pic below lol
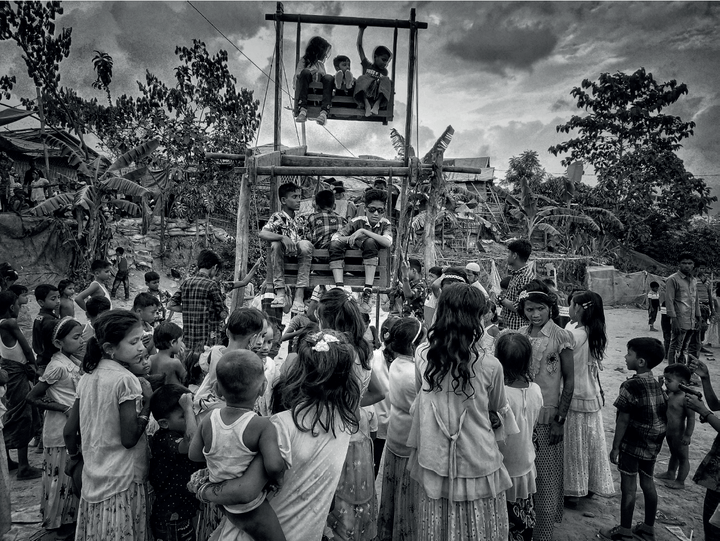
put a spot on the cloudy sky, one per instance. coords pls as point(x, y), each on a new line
point(500, 73)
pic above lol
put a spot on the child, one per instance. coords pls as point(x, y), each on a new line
point(399, 490)
point(121, 277)
point(174, 507)
point(94, 307)
point(323, 224)
point(587, 466)
point(18, 362)
point(66, 288)
point(653, 298)
point(112, 412)
point(431, 299)
point(368, 233)
point(381, 361)
point(168, 340)
point(284, 231)
point(373, 89)
point(230, 437)
point(344, 80)
point(37, 187)
point(639, 433)
point(293, 330)
point(146, 306)
point(262, 350)
point(97, 288)
point(48, 298)
point(680, 426)
point(311, 67)
point(504, 284)
point(152, 281)
point(25, 322)
point(525, 398)
point(58, 384)
point(18, 202)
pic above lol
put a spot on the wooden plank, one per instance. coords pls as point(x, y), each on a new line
point(345, 21)
point(322, 161)
point(335, 171)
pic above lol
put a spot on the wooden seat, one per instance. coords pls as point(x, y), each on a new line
point(353, 264)
point(344, 107)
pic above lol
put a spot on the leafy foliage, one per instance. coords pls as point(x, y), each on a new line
point(103, 65)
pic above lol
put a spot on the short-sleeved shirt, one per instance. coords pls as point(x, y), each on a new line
point(321, 226)
point(642, 397)
point(62, 375)
point(281, 223)
point(681, 300)
point(43, 328)
point(170, 471)
point(203, 304)
point(414, 305)
point(37, 192)
point(518, 280)
point(383, 228)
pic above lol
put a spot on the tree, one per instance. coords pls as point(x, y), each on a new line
point(103, 65)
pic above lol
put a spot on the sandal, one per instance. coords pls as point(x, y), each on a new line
point(278, 301)
point(298, 307)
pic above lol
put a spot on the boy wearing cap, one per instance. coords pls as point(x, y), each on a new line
point(472, 271)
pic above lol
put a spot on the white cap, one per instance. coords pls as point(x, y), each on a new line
point(473, 267)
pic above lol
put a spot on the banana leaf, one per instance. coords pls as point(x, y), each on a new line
point(124, 186)
point(398, 143)
point(440, 145)
point(49, 206)
point(73, 155)
point(126, 206)
point(134, 155)
point(85, 198)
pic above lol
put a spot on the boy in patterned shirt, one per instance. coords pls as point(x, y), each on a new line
point(324, 223)
point(152, 281)
point(640, 429)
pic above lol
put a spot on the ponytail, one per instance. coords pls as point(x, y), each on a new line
point(93, 355)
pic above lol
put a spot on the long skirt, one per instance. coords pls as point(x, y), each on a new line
point(521, 516)
point(397, 520)
point(57, 505)
point(443, 520)
point(122, 517)
point(5, 520)
point(21, 419)
point(549, 498)
point(587, 464)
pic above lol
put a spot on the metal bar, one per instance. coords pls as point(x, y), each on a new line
point(345, 21)
point(277, 138)
point(392, 75)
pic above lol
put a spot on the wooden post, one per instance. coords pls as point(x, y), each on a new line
point(433, 207)
point(242, 232)
point(411, 85)
point(402, 228)
point(277, 139)
point(41, 114)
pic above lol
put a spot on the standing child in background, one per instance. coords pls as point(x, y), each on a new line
point(94, 307)
point(639, 432)
point(37, 188)
point(653, 298)
point(97, 288)
point(230, 438)
point(58, 383)
point(587, 466)
point(270, 368)
point(293, 330)
point(431, 299)
point(311, 68)
point(152, 281)
point(680, 426)
point(48, 298)
point(122, 275)
point(24, 321)
point(373, 89)
point(525, 398)
point(66, 288)
point(168, 340)
point(174, 508)
point(145, 306)
point(344, 79)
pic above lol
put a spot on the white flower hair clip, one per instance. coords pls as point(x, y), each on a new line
point(323, 342)
point(523, 295)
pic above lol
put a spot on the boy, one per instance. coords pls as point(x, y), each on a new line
point(235, 427)
point(152, 281)
point(48, 297)
point(344, 80)
point(97, 288)
point(430, 299)
point(94, 307)
point(245, 327)
point(639, 433)
point(285, 234)
point(323, 224)
point(146, 306)
point(368, 233)
point(408, 297)
point(653, 298)
point(37, 188)
point(262, 350)
point(174, 507)
point(122, 274)
point(680, 426)
point(24, 321)
point(168, 341)
point(66, 288)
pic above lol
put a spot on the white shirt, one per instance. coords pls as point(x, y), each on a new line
point(382, 377)
point(477, 285)
point(62, 375)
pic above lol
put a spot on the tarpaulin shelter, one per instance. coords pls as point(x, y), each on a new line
point(617, 287)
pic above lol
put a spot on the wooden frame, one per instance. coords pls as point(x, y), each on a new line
point(320, 273)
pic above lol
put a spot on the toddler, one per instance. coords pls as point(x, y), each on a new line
point(169, 343)
point(145, 306)
point(344, 80)
point(653, 297)
point(152, 281)
point(66, 288)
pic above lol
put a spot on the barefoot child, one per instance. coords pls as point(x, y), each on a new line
point(230, 437)
point(168, 341)
point(98, 287)
point(639, 431)
point(67, 295)
point(680, 426)
point(121, 277)
point(58, 384)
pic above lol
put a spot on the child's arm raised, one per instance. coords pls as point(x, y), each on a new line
point(84, 294)
point(132, 425)
point(621, 425)
point(186, 403)
point(361, 52)
point(701, 369)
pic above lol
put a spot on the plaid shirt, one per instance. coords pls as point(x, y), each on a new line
point(518, 280)
point(642, 397)
point(321, 226)
point(281, 223)
point(382, 228)
point(414, 305)
point(203, 311)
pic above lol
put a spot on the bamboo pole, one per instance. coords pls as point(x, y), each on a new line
point(433, 207)
point(277, 138)
point(41, 114)
point(411, 85)
point(346, 21)
point(224, 156)
point(242, 233)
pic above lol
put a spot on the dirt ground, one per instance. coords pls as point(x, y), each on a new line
point(676, 508)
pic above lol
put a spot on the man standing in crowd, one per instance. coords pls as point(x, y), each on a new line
point(472, 271)
point(707, 309)
point(683, 309)
point(521, 273)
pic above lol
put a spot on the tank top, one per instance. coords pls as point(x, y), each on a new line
point(14, 353)
point(105, 292)
point(228, 457)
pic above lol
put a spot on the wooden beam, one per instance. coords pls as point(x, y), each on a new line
point(333, 171)
point(318, 161)
point(410, 87)
point(434, 203)
point(242, 233)
point(277, 137)
point(345, 21)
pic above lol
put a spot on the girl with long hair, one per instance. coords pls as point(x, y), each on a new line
point(454, 452)
point(311, 68)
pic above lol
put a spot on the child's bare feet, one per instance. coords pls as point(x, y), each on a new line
point(675, 485)
point(667, 475)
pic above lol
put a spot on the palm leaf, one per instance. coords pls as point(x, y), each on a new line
point(73, 154)
point(575, 219)
point(126, 206)
point(124, 186)
point(546, 228)
point(134, 155)
point(440, 145)
point(50, 206)
point(398, 143)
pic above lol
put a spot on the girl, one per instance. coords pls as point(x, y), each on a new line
point(454, 454)
point(373, 89)
point(396, 520)
point(515, 354)
point(58, 384)
point(311, 67)
point(111, 412)
point(262, 349)
point(551, 369)
point(316, 402)
point(587, 466)
point(355, 511)
point(381, 370)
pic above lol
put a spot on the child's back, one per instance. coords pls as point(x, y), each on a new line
point(173, 369)
point(67, 307)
